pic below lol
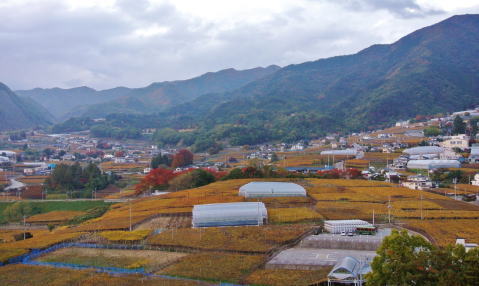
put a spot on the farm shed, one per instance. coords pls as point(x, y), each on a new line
point(271, 189)
point(433, 164)
point(424, 150)
point(229, 214)
point(345, 152)
point(350, 225)
point(348, 271)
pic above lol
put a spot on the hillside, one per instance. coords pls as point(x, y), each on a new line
point(432, 70)
point(19, 113)
point(61, 102)
point(66, 103)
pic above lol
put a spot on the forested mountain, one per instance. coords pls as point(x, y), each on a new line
point(65, 103)
point(19, 113)
point(432, 70)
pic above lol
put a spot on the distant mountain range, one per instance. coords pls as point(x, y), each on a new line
point(432, 70)
point(19, 113)
point(85, 101)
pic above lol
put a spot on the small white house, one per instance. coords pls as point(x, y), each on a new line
point(467, 246)
point(418, 182)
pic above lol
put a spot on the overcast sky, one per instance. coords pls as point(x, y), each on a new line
point(108, 43)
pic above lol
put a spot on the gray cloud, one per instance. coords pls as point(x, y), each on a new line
point(134, 43)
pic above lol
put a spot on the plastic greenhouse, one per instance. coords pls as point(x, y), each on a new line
point(433, 164)
point(345, 152)
point(271, 189)
point(423, 150)
point(229, 214)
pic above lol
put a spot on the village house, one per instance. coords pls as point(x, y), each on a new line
point(460, 141)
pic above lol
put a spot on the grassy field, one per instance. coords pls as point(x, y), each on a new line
point(215, 266)
point(45, 207)
point(285, 277)
point(21, 275)
point(151, 260)
point(242, 238)
point(53, 217)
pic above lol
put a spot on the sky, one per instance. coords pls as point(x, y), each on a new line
point(109, 43)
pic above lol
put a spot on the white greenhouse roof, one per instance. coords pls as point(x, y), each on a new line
point(271, 189)
point(424, 150)
point(229, 214)
point(345, 152)
point(433, 164)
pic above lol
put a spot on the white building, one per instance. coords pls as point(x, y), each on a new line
point(460, 141)
point(467, 246)
point(433, 164)
point(418, 182)
point(350, 225)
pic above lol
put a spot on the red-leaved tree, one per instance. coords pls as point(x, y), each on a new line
point(183, 158)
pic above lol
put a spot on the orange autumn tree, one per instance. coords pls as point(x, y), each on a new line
point(183, 158)
point(156, 178)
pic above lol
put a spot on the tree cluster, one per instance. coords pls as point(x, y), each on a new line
point(411, 260)
point(77, 180)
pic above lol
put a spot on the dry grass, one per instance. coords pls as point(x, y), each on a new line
point(54, 217)
point(21, 275)
point(285, 277)
point(151, 260)
point(41, 240)
point(290, 215)
point(125, 236)
point(447, 230)
point(242, 238)
point(215, 266)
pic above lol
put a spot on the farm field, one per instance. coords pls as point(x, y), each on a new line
point(125, 236)
point(49, 206)
point(21, 275)
point(242, 238)
point(53, 217)
point(151, 260)
point(215, 266)
point(293, 215)
point(445, 231)
point(286, 277)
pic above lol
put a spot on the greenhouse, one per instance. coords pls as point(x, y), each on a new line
point(349, 270)
point(271, 189)
point(433, 164)
point(423, 150)
point(229, 214)
point(345, 152)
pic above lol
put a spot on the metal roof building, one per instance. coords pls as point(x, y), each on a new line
point(349, 225)
point(349, 271)
point(271, 189)
point(433, 164)
point(229, 214)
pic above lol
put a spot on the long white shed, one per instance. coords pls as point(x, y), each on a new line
point(271, 189)
point(229, 214)
point(350, 225)
point(433, 164)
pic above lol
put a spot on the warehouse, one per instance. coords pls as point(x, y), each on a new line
point(271, 189)
point(433, 164)
point(229, 214)
point(338, 226)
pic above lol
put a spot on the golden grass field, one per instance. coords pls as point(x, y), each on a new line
point(151, 260)
point(292, 215)
point(125, 236)
point(286, 277)
point(54, 217)
point(242, 238)
point(32, 180)
point(21, 275)
point(215, 266)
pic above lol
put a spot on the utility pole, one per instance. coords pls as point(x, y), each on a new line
point(455, 188)
point(389, 210)
point(373, 216)
point(130, 213)
point(24, 227)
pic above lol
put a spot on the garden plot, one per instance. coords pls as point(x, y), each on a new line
point(150, 260)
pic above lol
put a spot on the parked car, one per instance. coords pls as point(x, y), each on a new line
point(350, 233)
point(343, 233)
